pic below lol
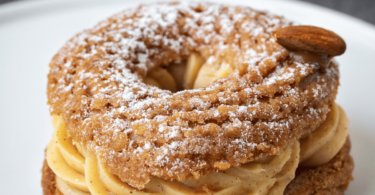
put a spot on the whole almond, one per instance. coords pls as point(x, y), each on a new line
point(311, 39)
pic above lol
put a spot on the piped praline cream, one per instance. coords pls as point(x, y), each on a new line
point(253, 97)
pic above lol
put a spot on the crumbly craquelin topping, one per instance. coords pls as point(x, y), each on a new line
point(140, 131)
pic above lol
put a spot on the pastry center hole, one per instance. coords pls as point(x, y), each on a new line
point(192, 73)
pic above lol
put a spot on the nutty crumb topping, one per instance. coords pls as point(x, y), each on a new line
point(140, 131)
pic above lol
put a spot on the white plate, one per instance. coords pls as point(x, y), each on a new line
point(32, 32)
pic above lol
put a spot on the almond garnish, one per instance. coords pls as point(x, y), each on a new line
point(311, 39)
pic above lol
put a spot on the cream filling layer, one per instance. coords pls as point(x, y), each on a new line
point(329, 149)
point(312, 142)
point(269, 175)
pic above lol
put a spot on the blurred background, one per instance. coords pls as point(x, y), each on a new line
point(363, 9)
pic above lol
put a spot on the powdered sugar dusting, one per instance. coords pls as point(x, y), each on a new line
point(96, 84)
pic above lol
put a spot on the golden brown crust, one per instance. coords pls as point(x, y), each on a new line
point(332, 178)
point(48, 180)
point(139, 131)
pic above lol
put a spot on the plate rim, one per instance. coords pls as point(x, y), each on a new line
point(11, 9)
point(27, 8)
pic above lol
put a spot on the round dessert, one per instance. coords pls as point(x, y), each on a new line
point(197, 98)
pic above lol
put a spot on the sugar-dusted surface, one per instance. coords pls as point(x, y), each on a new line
point(140, 131)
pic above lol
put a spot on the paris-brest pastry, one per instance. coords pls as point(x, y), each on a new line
point(197, 98)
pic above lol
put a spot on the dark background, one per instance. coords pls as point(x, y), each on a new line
point(363, 9)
